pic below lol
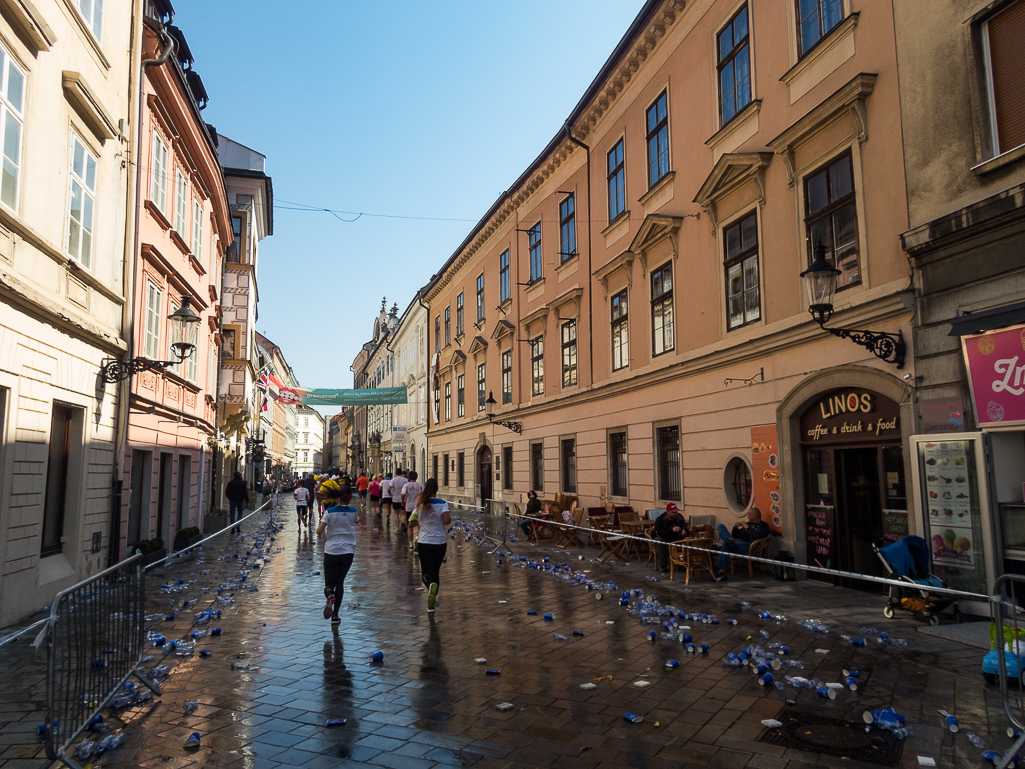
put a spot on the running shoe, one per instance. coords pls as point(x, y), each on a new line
point(432, 596)
point(411, 547)
point(335, 619)
point(329, 607)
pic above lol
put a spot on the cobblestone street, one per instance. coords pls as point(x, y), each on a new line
point(428, 703)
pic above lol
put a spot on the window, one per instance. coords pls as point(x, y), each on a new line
point(460, 395)
point(197, 229)
point(459, 314)
point(568, 450)
point(306, 421)
point(740, 240)
point(158, 188)
point(437, 334)
point(192, 365)
point(736, 483)
point(831, 219)
point(657, 120)
point(567, 229)
point(176, 367)
point(667, 448)
point(534, 242)
point(92, 12)
point(620, 337)
point(448, 326)
point(12, 97)
point(306, 456)
point(434, 466)
point(507, 466)
point(151, 345)
point(569, 353)
point(815, 19)
point(537, 366)
point(503, 276)
point(617, 465)
point(482, 391)
point(444, 459)
point(437, 406)
point(617, 182)
point(448, 401)
point(211, 369)
point(181, 196)
point(507, 376)
point(82, 201)
point(228, 343)
point(734, 55)
point(662, 309)
point(480, 297)
point(57, 467)
point(235, 249)
point(537, 467)
point(1003, 35)
point(460, 469)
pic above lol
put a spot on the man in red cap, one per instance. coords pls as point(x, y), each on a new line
point(669, 527)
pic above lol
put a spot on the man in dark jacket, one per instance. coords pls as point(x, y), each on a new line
point(237, 492)
point(669, 527)
point(739, 540)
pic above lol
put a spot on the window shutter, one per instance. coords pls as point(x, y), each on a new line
point(1006, 33)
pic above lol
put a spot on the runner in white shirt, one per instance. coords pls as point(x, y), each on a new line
point(410, 494)
point(430, 518)
point(302, 503)
point(386, 498)
point(338, 529)
point(397, 484)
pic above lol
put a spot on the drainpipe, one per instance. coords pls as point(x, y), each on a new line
point(427, 380)
point(590, 313)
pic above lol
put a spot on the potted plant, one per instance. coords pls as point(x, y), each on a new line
point(186, 537)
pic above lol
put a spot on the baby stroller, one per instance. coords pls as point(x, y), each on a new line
point(907, 560)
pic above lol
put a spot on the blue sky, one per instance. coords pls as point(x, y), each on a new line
point(427, 110)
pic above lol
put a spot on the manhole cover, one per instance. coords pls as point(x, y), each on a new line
point(834, 737)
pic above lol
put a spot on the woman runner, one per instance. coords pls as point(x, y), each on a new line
point(430, 518)
point(338, 529)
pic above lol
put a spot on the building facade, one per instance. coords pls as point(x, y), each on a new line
point(70, 105)
point(410, 364)
point(964, 142)
point(377, 370)
point(183, 224)
point(309, 447)
point(634, 301)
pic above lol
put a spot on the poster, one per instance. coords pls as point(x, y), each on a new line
point(765, 483)
point(996, 373)
point(948, 497)
point(819, 524)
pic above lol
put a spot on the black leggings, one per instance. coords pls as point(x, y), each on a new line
point(336, 567)
point(431, 557)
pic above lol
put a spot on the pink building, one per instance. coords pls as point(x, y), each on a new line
point(184, 226)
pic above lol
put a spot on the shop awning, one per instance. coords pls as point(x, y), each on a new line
point(988, 320)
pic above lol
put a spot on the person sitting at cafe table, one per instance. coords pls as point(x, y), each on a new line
point(533, 511)
point(740, 539)
point(669, 527)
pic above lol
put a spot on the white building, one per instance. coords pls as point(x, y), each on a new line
point(309, 446)
point(409, 346)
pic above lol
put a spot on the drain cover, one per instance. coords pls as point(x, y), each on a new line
point(834, 737)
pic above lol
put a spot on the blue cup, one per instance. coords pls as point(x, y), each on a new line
point(549, 616)
point(652, 635)
point(703, 647)
point(784, 650)
point(672, 664)
point(761, 670)
point(691, 648)
point(531, 611)
point(826, 693)
point(766, 679)
point(952, 724)
point(687, 638)
point(852, 684)
point(377, 656)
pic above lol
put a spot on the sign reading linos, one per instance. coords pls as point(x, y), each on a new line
point(846, 416)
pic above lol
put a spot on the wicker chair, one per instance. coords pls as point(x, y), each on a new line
point(759, 549)
point(697, 555)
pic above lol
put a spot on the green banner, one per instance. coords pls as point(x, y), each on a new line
point(383, 396)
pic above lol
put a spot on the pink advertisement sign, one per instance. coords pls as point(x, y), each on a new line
point(996, 372)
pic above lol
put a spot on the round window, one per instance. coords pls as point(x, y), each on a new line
point(736, 483)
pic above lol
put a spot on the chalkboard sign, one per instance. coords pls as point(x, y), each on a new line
point(820, 530)
point(895, 524)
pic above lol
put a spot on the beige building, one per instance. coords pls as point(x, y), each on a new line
point(410, 362)
point(634, 300)
point(70, 106)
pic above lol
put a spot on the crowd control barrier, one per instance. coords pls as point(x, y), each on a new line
point(496, 522)
point(1009, 626)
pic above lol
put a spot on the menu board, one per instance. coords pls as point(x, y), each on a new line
point(895, 524)
point(949, 500)
point(765, 466)
point(820, 528)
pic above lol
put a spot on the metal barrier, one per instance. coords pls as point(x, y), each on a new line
point(496, 522)
point(1008, 599)
point(94, 644)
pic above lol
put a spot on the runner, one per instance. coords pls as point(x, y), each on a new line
point(386, 497)
point(397, 484)
point(361, 485)
point(410, 494)
point(375, 495)
point(302, 500)
point(430, 519)
point(338, 530)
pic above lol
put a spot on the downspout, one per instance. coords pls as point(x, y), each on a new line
point(427, 389)
point(590, 287)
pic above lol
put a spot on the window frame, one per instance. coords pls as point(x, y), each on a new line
point(620, 330)
point(10, 112)
point(507, 386)
point(159, 158)
point(88, 196)
point(504, 285)
point(732, 56)
point(803, 51)
point(569, 353)
point(659, 134)
point(445, 469)
point(197, 228)
point(460, 469)
point(448, 326)
point(434, 466)
point(992, 104)
point(459, 315)
point(660, 304)
point(611, 443)
point(181, 196)
point(534, 250)
point(58, 479)
point(507, 467)
point(461, 395)
point(828, 211)
point(152, 324)
point(741, 258)
point(480, 297)
point(482, 386)
point(663, 465)
point(568, 464)
point(448, 401)
point(616, 180)
point(537, 466)
point(437, 334)
point(537, 365)
point(94, 24)
point(567, 228)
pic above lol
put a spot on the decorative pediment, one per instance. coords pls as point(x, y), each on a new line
point(478, 346)
point(502, 329)
point(622, 262)
point(458, 359)
point(654, 230)
point(732, 170)
point(565, 299)
point(540, 314)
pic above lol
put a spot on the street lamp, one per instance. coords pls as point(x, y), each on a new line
point(489, 412)
point(820, 285)
point(184, 334)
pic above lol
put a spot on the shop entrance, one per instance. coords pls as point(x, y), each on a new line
point(484, 474)
point(855, 488)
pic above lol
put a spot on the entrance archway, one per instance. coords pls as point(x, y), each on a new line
point(484, 474)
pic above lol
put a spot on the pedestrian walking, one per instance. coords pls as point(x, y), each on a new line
point(237, 494)
point(338, 530)
point(430, 519)
point(410, 495)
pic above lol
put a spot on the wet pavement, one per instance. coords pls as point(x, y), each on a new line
point(429, 703)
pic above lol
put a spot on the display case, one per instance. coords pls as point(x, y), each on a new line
point(1012, 517)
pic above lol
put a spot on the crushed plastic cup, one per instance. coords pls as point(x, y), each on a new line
point(531, 611)
point(672, 663)
point(192, 741)
point(335, 722)
point(480, 660)
point(633, 718)
point(502, 707)
point(493, 672)
point(586, 687)
point(771, 723)
point(377, 656)
point(191, 706)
